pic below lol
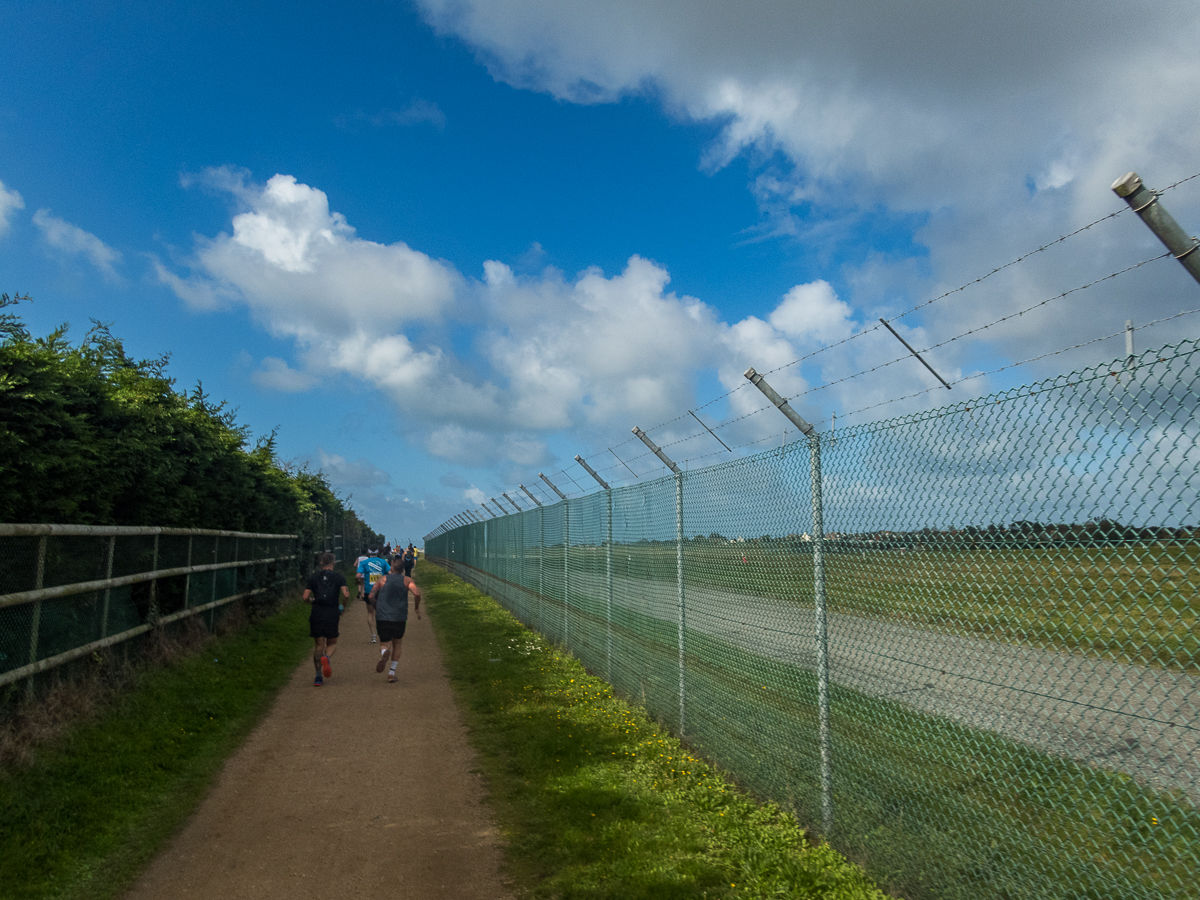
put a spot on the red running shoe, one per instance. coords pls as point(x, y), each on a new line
point(326, 670)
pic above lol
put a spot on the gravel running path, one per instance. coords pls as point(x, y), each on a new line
point(358, 789)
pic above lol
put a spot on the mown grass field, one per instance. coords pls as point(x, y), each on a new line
point(931, 807)
point(1137, 603)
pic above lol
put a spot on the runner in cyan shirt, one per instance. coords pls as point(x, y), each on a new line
point(371, 570)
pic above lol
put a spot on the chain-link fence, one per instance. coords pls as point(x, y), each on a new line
point(67, 591)
point(980, 678)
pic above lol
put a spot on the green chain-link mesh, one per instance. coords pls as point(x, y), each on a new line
point(1013, 644)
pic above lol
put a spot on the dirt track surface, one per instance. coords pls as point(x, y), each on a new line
point(356, 789)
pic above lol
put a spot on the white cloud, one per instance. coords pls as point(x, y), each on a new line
point(813, 311)
point(303, 271)
point(73, 240)
point(10, 202)
point(474, 495)
point(1000, 127)
point(589, 356)
point(274, 374)
point(593, 354)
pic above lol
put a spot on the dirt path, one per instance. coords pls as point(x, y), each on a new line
point(356, 789)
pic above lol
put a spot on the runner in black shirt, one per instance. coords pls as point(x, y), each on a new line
point(325, 591)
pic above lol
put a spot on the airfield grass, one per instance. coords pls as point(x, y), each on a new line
point(1137, 603)
point(594, 799)
point(930, 807)
point(84, 814)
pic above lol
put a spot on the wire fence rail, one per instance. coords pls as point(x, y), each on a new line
point(68, 591)
point(979, 675)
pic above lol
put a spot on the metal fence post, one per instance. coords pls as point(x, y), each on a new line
point(1144, 202)
point(112, 546)
point(822, 624)
point(821, 619)
point(607, 559)
point(609, 575)
point(566, 535)
point(680, 601)
point(187, 584)
point(212, 613)
point(566, 572)
point(35, 623)
point(152, 608)
point(680, 598)
point(541, 560)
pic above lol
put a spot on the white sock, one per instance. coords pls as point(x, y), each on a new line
point(383, 651)
point(392, 667)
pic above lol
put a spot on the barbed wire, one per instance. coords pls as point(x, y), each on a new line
point(932, 300)
point(1042, 303)
point(980, 328)
point(1178, 183)
point(1032, 359)
point(626, 464)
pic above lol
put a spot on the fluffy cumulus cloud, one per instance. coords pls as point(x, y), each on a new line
point(591, 354)
point(999, 127)
point(588, 356)
point(303, 271)
point(71, 240)
point(10, 202)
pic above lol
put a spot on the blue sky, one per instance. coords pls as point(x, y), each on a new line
point(442, 246)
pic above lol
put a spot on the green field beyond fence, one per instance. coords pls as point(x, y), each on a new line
point(980, 679)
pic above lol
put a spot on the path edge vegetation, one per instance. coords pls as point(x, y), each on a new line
point(87, 811)
point(594, 799)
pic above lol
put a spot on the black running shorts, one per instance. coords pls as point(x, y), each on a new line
point(323, 624)
point(389, 631)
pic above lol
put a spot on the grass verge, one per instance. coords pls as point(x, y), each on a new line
point(83, 817)
point(595, 800)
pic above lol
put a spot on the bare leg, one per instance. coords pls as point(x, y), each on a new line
point(318, 652)
point(394, 657)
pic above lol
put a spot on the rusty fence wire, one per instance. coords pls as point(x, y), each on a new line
point(980, 678)
point(67, 591)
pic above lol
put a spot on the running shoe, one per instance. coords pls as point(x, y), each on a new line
point(318, 681)
point(383, 659)
point(392, 679)
point(326, 669)
point(374, 639)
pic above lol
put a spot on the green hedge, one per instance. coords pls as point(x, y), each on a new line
point(90, 436)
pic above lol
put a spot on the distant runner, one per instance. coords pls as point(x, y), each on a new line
point(371, 570)
point(409, 559)
point(324, 587)
point(362, 595)
point(390, 599)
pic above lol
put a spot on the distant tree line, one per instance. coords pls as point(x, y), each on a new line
point(91, 436)
point(1018, 535)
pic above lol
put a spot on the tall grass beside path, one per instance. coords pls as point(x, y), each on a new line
point(594, 799)
point(91, 809)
